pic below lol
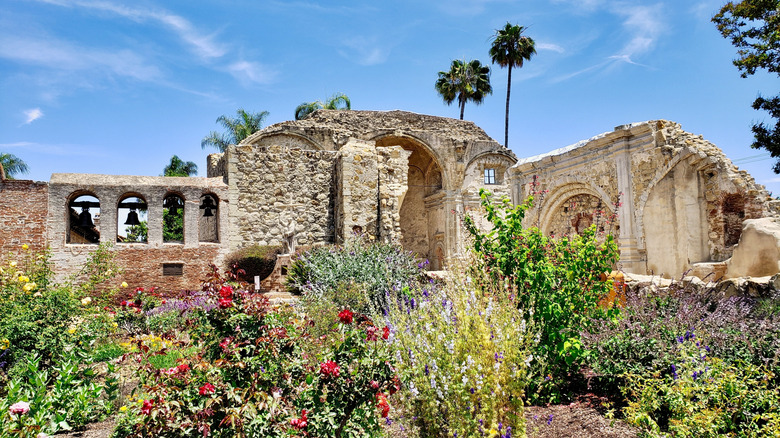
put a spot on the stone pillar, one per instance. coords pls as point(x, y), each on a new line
point(358, 190)
point(393, 171)
point(453, 209)
point(630, 258)
point(154, 219)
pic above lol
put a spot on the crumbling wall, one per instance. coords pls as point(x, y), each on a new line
point(393, 162)
point(23, 212)
point(358, 190)
point(277, 190)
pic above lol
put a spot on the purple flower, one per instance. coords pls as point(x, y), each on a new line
point(549, 419)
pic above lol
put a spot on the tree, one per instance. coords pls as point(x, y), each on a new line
point(509, 49)
point(237, 129)
point(177, 167)
point(338, 101)
point(13, 165)
point(465, 81)
point(753, 26)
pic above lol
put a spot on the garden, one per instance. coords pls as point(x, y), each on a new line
point(374, 346)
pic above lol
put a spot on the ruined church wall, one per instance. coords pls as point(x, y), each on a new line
point(23, 212)
point(274, 189)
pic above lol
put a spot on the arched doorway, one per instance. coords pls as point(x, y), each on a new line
point(422, 211)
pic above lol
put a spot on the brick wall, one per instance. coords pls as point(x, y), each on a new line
point(23, 211)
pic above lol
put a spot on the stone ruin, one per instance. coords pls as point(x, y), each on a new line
point(673, 201)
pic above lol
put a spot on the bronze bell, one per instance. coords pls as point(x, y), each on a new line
point(85, 219)
point(207, 206)
point(132, 218)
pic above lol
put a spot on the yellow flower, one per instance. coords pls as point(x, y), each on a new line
point(71, 330)
point(4, 344)
point(23, 279)
point(29, 286)
point(86, 301)
point(123, 408)
point(115, 325)
point(25, 247)
point(124, 284)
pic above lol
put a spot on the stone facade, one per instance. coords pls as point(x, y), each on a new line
point(678, 200)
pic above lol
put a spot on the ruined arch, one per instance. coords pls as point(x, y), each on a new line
point(421, 211)
point(557, 199)
point(285, 139)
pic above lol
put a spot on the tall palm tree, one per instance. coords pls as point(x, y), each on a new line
point(237, 129)
point(177, 167)
point(13, 165)
point(338, 101)
point(465, 81)
point(509, 49)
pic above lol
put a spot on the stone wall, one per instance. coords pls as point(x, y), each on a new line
point(358, 189)
point(143, 263)
point(276, 190)
point(393, 164)
point(23, 212)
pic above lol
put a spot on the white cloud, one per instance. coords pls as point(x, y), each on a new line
point(644, 24)
point(32, 115)
point(551, 47)
point(253, 72)
point(365, 51)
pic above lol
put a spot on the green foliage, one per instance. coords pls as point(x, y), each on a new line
point(702, 396)
point(255, 260)
point(378, 269)
point(338, 101)
point(66, 397)
point(463, 355)
point(137, 233)
point(464, 82)
point(12, 165)
point(556, 282)
point(177, 167)
point(236, 129)
point(753, 27)
point(173, 225)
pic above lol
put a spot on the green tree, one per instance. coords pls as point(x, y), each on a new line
point(465, 81)
point(177, 167)
point(137, 233)
point(173, 225)
point(753, 26)
point(12, 165)
point(338, 101)
point(236, 129)
point(509, 49)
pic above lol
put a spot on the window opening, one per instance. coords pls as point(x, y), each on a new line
point(490, 176)
point(84, 220)
point(132, 220)
point(173, 219)
point(208, 222)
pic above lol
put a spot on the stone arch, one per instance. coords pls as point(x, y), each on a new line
point(131, 206)
point(83, 218)
point(208, 217)
point(286, 139)
point(422, 206)
point(173, 217)
point(474, 174)
point(412, 143)
point(561, 194)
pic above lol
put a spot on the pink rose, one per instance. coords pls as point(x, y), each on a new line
point(19, 408)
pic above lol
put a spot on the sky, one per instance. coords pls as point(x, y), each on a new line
point(118, 87)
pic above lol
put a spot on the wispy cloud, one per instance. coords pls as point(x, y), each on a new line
point(32, 115)
point(551, 47)
point(54, 149)
point(203, 45)
point(365, 50)
point(251, 72)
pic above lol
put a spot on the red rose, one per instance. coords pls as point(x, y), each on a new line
point(163, 302)
point(329, 368)
point(225, 303)
point(206, 389)
point(346, 316)
point(300, 423)
point(382, 404)
point(226, 292)
point(183, 368)
point(123, 303)
point(146, 409)
point(385, 333)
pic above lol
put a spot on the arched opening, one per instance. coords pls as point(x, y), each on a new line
point(173, 219)
point(83, 220)
point(208, 221)
point(131, 213)
point(422, 211)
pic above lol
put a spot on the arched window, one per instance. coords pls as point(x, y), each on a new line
point(173, 219)
point(131, 213)
point(84, 220)
point(208, 222)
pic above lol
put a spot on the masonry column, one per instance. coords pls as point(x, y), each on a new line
point(630, 258)
point(393, 171)
point(357, 192)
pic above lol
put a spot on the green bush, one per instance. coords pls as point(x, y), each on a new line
point(556, 284)
point(702, 396)
point(256, 260)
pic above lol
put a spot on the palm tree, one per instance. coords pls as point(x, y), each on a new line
point(465, 81)
point(177, 167)
point(12, 165)
point(338, 101)
point(237, 129)
point(509, 49)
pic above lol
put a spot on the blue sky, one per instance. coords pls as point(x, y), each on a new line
point(118, 87)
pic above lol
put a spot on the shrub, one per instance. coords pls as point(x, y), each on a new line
point(255, 260)
point(463, 356)
point(556, 282)
point(702, 396)
point(374, 268)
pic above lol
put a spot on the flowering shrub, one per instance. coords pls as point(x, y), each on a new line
point(556, 285)
point(258, 373)
point(702, 396)
point(463, 355)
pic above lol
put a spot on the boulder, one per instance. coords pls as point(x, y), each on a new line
point(758, 252)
